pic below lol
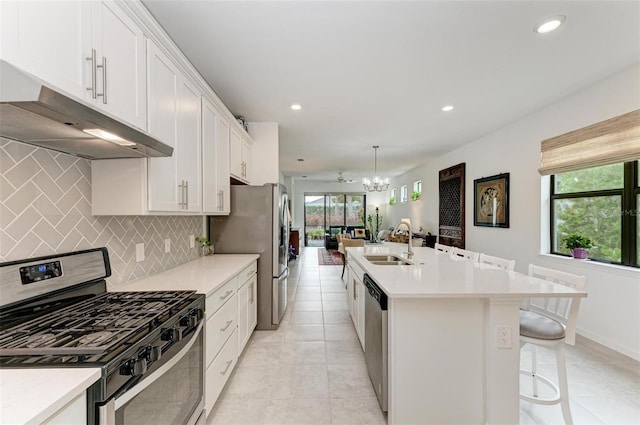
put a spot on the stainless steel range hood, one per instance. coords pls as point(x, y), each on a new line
point(33, 113)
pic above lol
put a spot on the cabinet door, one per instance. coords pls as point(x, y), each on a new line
point(246, 158)
point(163, 84)
point(215, 161)
point(243, 316)
point(49, 39)
point(352, 296)
point(361, 299)
point(121, 77)
point(253, 303)
point(236, 166)
point(189, 142)
point(224, 187)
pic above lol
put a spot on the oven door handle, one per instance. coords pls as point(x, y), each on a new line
point(108, 410)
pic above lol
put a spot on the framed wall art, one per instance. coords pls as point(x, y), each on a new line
point(491, 201)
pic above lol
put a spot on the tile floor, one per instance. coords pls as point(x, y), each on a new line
point(311, 370)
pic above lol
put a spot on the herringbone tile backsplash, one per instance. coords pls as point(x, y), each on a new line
point(45, 208)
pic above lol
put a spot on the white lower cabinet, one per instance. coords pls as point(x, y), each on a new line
point(218, 373)
point(356, 298)
point(231, 317)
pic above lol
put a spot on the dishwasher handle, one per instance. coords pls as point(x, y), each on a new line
point(375, 292)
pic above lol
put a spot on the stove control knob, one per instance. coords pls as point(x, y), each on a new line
point(150, 354)
point(171, 334)
point(134, 367)
point(192, 318)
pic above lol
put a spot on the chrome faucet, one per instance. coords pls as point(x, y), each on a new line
point(409, 249)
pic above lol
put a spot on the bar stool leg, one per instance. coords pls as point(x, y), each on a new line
point(344, 264)
point(534, 367)
point(562, 383)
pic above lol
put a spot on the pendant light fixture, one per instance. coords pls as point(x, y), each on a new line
point(376, 184)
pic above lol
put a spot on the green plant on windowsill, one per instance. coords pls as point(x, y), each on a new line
point(578, 245)
point(416, 195)
point(205, 246)
point(392, 200)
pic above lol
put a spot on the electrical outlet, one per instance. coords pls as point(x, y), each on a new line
point(192, 241)
point(503, 336)
point(139, 252)
point(167, 246)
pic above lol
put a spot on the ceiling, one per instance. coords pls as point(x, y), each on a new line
point(379, 72)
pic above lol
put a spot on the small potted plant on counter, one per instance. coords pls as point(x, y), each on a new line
point(578, 245)
point(205, 246)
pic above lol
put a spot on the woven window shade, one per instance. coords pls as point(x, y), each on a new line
point(608, 142)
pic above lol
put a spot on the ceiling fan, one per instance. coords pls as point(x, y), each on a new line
point(341, 179)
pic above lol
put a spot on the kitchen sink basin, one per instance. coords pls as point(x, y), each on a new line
point(387, 260)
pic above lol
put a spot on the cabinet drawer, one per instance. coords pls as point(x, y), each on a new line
point(247, 273)
point(220, 326)
point(219, 371)
point(221, 296)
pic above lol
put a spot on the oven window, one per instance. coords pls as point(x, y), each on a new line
point(173, 397)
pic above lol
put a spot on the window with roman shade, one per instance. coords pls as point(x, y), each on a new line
point(615, 140)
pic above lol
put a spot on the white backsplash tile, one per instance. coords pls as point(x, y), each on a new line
point(45, 207)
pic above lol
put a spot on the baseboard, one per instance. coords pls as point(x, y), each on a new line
point(629, 352)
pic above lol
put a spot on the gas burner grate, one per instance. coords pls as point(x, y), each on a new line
point(93, 326)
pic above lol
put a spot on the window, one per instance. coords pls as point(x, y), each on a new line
point(403, 194)
point(600, 203)
point(325, 210)
point(393, 199)
point(417, 186)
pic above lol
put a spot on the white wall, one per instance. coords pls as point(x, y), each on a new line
point(611, 313)
point(303, 186)
point(265, 165)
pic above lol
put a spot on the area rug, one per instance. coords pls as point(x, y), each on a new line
point(329, 258)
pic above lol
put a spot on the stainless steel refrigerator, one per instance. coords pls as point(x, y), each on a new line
point(259, 223)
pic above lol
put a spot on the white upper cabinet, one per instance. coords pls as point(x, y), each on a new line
point(240, 156)
point(48, 39)
point(215, 161)
point(174, 118)
point(89, 50)
point(120, 64)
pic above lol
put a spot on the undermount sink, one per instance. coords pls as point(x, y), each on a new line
point(387, 260)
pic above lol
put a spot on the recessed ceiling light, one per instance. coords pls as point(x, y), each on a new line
point(549, 24)
point(300, 159)
point(447, 108)
point(296, 107)
point(304, 177)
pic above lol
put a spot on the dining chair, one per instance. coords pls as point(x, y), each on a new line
point(498, 262)
point(345, 244)
point(551, 323)
point(443, 248)
point(466, 254)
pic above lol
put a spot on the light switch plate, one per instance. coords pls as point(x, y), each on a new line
point(139, 252)
point(167, 246)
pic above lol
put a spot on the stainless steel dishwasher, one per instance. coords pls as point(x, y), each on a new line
point(375, 339)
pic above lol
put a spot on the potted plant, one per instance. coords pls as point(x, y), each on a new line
point(392, 200)
point(578, 245)
point(416, 195)
point(205, 246)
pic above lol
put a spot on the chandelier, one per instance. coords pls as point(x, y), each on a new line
point(376, 184)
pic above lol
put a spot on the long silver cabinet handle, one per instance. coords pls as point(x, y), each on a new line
point(181, 188)
point(227, 326)
point(186, 195)
point(104, 80)
point(226, 295)
point(221, 200)
point(224, 372)
point(92, 59)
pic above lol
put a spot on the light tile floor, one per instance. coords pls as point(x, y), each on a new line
point(311, 370)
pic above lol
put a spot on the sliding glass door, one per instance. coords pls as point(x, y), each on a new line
point(331, 209)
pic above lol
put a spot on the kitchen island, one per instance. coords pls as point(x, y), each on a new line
point(444, 312)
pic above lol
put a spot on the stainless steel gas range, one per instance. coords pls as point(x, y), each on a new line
point(55, 312)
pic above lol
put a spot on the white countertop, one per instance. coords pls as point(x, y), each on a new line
point(203, 275)
point(438, 275)
point(33, 395)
